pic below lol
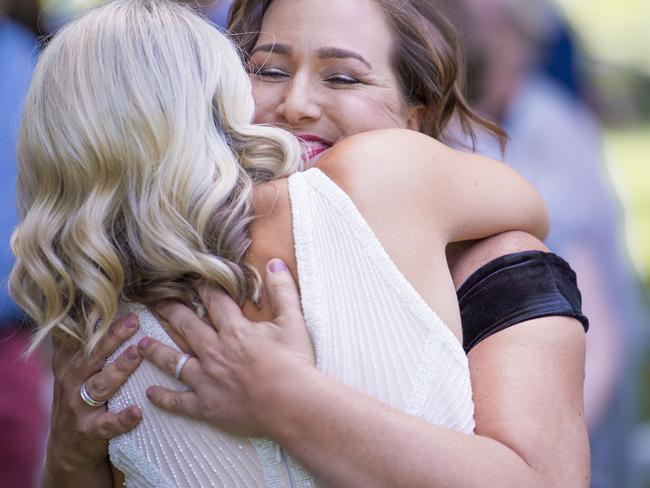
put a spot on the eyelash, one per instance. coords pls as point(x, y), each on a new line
point(338, 78)
point(342, 79)
point(268, 72)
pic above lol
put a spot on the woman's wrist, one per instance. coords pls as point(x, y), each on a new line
point(281, 421)
point(62, 471)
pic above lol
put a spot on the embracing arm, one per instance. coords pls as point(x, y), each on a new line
point(530, 427)
point(527, 389)
point(528, 422)
point(406, 176)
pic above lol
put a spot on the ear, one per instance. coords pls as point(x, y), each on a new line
point(414, 117)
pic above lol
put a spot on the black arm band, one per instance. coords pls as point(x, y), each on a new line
point(515, 288)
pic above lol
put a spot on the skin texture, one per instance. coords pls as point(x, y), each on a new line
point(310, 100)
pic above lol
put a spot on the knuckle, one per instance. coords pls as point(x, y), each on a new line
point(207, 295)
point(123, 366)
point(113, 333)
point(96, 386)
point(212, 370)
point(83, 428)
point(284, 285)
point(120, 367)
point(176, 402)
point(234, 334)
point(105, 430)
point(212, 356)
point(208, 406)
point(170, 363)
point(185, 324)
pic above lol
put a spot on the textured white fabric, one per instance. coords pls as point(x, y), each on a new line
point(371, 330)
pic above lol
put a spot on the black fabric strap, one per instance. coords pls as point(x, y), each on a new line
point(515, 288)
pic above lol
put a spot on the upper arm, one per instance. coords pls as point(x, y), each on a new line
point(468, 256)
point(460, 195)
point(528, 393)
point(527, 380)
point(477, 197)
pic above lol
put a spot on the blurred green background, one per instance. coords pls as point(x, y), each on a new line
point(616, 42)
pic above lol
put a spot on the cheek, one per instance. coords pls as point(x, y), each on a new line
point(265, 96)
point(361, 112)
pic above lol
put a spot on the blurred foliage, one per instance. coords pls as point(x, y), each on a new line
point(615, 38)
point(616, 44)
point(628, 155)
point(613, 31)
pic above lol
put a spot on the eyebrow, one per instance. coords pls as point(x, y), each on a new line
point(273, 48)
point(323, 52)
point(338, 53)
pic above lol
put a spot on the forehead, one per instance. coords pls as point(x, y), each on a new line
point(309, 24)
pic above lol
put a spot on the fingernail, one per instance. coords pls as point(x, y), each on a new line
point(148, 393)
point(277, 266)
point(144, 343)
point(132, 353)
point(131, 321)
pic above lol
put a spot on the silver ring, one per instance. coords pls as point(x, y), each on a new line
point(179, 367)
point(88, 400)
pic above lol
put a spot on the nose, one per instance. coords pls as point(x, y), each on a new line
point(300, 102)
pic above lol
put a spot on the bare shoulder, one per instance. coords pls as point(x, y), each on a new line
point(383, 174)
point(385, 171)
point(466, 195)
point(381, 158)
point(399, 160)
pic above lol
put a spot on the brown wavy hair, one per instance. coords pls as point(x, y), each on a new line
point(427, 60)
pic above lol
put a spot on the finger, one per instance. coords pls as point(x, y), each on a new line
point(118, 332)
point(223, 311)
point(181, 403)
point(184, 321)
point(104, 384)
point(109, 424)
point(282, 289)
point(167, 359)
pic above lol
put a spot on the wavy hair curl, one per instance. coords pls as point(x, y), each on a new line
point(137, 161)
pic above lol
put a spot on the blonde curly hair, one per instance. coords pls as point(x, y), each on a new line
point(137, 161)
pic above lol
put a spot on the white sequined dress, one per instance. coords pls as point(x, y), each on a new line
point(370, 328)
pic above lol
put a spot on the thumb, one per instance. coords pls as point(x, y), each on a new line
point(282, 289)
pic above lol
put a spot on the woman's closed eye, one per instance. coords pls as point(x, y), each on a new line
point(342, 79)
point(268, 72)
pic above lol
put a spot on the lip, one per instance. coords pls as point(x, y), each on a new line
point(312, 146)
point(312, 138)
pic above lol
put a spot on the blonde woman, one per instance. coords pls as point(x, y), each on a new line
point(141, 173)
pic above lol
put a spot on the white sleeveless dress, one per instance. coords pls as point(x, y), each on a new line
point(370, 328)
